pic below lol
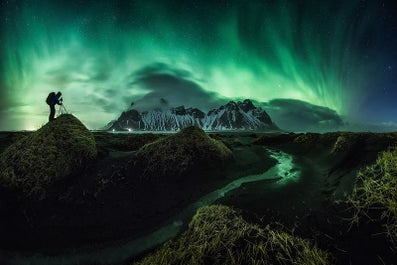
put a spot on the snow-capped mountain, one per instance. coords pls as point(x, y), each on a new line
point(232, 116)
point(237, 116)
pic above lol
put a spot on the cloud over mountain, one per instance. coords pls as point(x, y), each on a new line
point(297, 115)
point(175, 85)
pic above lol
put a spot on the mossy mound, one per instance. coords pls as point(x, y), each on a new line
point(307, 138)
point(375, 194)
point(219, 235)
point(344, 142)
point(34, 163)
point(190, 150)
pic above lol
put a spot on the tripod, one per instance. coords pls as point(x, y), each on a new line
point(62, 110)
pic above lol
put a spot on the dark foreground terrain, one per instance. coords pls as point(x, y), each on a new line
point(136, 183)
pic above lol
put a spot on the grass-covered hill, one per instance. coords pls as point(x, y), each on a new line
point(189, 151)
point(34, 163)
point(219, 235)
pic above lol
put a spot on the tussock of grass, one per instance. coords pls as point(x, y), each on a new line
point(51, 153)
point(219, 235)
point(344, 142)
point(307, 138)
point(189, 150)
point(375, 194)
point(237, 142)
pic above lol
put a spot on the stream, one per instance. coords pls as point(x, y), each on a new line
point(283, 172)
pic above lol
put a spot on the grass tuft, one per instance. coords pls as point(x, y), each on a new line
point(219, 235)
point(35, 162)
point(375, 194)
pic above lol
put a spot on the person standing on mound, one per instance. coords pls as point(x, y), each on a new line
point(52, 100)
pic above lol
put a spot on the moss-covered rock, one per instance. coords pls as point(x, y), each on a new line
point(56, 150)
point(190, 150)
point(219, 235)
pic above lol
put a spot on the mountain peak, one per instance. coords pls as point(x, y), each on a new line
point(247, 105)
point(179, 110)
point(231, 105)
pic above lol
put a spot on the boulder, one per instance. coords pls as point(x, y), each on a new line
point(33, 164)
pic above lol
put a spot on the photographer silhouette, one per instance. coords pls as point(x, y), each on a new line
point(52, 100)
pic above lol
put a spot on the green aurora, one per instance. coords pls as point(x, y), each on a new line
point(320, 52)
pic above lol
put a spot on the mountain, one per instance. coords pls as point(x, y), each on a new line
point(232, 116)
point(238, 116)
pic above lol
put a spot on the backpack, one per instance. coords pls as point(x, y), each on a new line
point(50, 98)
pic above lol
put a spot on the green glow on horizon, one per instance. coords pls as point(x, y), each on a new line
point(252, 51)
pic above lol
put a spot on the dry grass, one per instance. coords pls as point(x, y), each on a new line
point(186, 151)
point(375, 194)
point(33, 163)
point(219, 235)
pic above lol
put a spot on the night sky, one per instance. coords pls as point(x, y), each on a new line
point(313, 65)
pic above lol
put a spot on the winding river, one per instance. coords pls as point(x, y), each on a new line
point(284, 171)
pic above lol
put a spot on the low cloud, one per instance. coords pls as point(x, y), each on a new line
point(300, 116)
point(176, 86)
point(297, 115)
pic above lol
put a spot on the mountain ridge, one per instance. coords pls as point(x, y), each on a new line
point(240, 116)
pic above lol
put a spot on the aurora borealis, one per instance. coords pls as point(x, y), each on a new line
point(338, 55)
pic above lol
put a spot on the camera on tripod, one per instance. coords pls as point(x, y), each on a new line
point(61, 109)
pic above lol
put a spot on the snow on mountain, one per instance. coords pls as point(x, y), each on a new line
point(232, 116)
